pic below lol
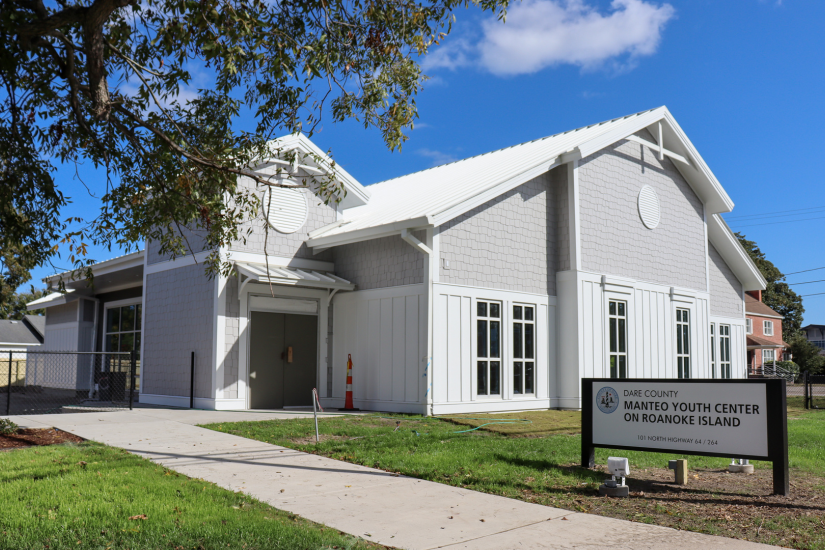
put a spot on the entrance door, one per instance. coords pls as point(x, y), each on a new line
point(277, 380)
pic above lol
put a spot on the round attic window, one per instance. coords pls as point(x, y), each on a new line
point(286, 209)
point(649, 207)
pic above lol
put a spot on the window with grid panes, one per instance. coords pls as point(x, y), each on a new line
point(524, 349)
point(724, 350)
point(767, 328)
point(617, 315)
point(123, 328)
point(683, 342)
point(488, 352)
point(712, 351)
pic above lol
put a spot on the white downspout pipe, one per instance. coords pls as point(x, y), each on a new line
point(429, 264)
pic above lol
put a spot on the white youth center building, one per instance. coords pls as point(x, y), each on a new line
point(493, 283)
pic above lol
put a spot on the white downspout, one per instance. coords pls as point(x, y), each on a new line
point(429, 263)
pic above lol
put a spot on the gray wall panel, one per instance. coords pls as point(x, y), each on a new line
point(507, 243)
point(177, 319)
point(613, 238)
point(725, 288)
point(380, 263)
point(558, 178)
point(232, 351)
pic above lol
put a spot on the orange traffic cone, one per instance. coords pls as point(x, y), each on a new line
point(348, 405)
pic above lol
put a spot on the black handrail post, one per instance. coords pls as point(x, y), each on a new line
point(192, 384)
point(8, 389)
point(133, 357)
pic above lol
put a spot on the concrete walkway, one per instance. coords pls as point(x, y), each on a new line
point(385, 508)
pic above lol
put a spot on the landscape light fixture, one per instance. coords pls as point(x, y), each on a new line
point(616, 467)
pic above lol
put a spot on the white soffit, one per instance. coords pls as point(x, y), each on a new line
point(53, 299)
point(726, 243)
point(434, 196)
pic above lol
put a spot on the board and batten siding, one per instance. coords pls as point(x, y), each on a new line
point(726, 298)
point(507, 243)
point(385, 332)
point(614, 241)
point(455, 345)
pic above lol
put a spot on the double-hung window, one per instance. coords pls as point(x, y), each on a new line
point(683, 342)
point(767, 328)
point(749, 325)
point(713, 351)
point(524, 349)
point(724, 350)
point(617, 315)
point(488, 352)
point(768, 357)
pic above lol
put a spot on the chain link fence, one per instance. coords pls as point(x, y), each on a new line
point(814, 386)
point(47, 382)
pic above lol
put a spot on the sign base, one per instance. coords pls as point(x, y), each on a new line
point(618, 491)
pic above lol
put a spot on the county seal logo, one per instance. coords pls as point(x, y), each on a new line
point(607, 399)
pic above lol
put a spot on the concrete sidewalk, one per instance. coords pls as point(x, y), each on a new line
point(382, 507)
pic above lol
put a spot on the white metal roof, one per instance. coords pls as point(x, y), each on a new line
point(726, 243)
point(434, 196)
point(257, 272)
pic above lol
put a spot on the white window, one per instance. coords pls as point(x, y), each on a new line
point(749, 325)
point(524, 349)
point(768, 357)
point(767, 328)
point(724, 350)
point(683, 342)
point(712, 350)
point(488, 352)
point(617, 315)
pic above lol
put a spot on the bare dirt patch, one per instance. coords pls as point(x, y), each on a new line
point(324, 437)
point(31, 437)
point(731, 505)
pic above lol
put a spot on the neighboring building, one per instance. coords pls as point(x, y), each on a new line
point(764, 329)
point(19, 336)
point(816, 335)
point(488, 284)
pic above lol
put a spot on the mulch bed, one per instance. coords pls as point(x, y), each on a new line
point(31, 437)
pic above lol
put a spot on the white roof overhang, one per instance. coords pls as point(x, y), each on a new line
point(435, 196)
point(279, 275)
point(107, 267)
point(310, 159)
point(53, 299)
point(726, 243)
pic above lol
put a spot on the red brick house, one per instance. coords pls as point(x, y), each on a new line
point(764, 333)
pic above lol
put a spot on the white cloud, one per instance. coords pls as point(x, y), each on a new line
point(437, 157)
point(545, 33)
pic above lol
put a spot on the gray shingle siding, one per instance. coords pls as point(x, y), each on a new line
point(289, 245)
point(194, 240)
point(725, 289)
point(231, 360)
point(177, 320)
point(380, 263)
point(507, 243)
point(613, 239)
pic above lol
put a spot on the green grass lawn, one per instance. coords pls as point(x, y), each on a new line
point(537, 461)
point(83, 496)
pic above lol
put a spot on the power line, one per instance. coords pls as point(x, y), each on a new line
point(774, 223)
point(808, 282)
point(817, 294)
point(776, 212)
point(805, 270)
point(762, 217)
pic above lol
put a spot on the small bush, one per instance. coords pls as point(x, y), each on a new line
point(7, 427)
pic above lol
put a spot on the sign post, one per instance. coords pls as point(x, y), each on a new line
point(725, 418)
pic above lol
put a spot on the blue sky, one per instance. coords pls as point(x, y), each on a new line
point(744, 79)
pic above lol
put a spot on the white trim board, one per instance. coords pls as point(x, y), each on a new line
point(182, 261)
point(255, 258)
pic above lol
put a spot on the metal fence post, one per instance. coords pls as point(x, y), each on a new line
point(805, 380)
point(8, 389)
point(192, 384)
point(133, 357)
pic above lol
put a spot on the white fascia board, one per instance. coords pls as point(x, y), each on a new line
point(53, 299)
point(135, 259)
point(726, 243)
point(369, 233)
point(453, 211)
point(696, 171)
point(305, 145)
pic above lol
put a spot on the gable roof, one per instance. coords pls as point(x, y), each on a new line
point(755, 307)
point(37, 323)
point(437, 195)
point(19, 333)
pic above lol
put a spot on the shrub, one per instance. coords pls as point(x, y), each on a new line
point(7, 427)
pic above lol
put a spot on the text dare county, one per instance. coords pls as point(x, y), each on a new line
point(668, 412)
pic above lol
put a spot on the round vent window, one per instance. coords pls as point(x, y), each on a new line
point(286, 209)
point(649, 207)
